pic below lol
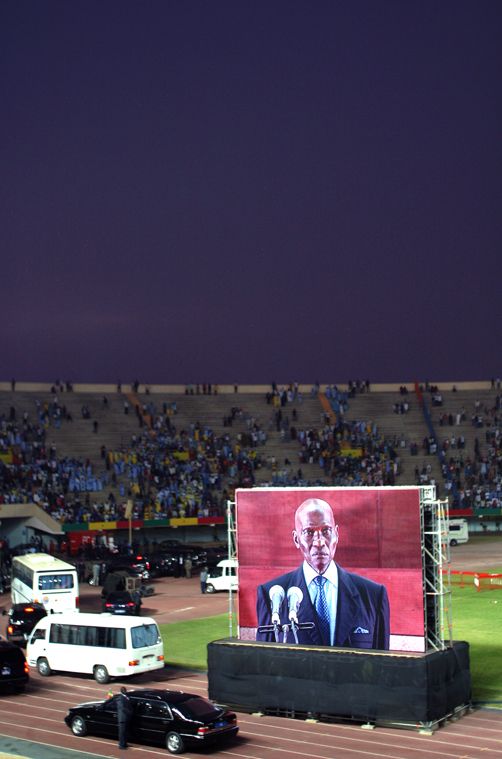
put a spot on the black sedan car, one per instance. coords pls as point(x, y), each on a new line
point(14, 671)
point(174, 719)
point(122, 602)
point(22, 620)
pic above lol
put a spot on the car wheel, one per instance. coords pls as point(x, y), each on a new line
point(78, 726)
point(43, 667)
point(209, 588)
point(453, 542)
point(101, 674)
point(175, 743)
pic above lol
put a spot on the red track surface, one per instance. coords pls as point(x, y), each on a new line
point(38, 714)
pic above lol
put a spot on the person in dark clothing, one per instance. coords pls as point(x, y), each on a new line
point(124, 714)
point(203, 579)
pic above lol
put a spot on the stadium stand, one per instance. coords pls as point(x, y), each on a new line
point(83, 452)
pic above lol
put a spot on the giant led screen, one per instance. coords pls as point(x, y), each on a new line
point(331, 566)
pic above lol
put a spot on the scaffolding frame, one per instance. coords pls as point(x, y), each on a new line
point(436, 583)
point(232, 554)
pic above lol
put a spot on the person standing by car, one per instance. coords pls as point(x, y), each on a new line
point(203, 579)
point(124, 714)
point(188, 567)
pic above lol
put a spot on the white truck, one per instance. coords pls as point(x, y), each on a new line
point(223, 576)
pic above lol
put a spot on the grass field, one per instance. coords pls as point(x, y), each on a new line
point(477, 618)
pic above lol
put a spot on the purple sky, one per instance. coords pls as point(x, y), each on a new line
point(228, 191)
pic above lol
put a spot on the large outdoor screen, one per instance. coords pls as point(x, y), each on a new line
point(331, 566)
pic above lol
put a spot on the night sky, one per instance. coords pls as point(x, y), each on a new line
point(247, 191)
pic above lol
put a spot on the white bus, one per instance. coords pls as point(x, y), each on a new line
point(41, 578)
point(103, 645)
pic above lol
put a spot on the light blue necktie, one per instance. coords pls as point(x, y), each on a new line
point(322, 610)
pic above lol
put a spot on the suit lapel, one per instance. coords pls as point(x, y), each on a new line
point(347, 608)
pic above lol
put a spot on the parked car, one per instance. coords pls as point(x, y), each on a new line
point(171, 561)
point(174, 719)
point(137, 563)
point(22, 620)
point(122, 602)
point(164, 563)
point(14, 671)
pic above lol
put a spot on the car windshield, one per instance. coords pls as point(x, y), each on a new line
point(197, 708)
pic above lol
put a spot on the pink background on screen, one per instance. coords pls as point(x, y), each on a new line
point(379, 537)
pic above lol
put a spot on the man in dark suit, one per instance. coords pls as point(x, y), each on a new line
point(124, 714)
point(347, 610)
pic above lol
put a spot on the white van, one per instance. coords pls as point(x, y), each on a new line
point(223, 576)
point(103, 645)
point(458, 532)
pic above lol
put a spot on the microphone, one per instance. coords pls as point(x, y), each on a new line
point(276, 594)
point(295, 597)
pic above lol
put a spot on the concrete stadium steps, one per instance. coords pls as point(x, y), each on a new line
point(309, 415)
point(210, 411)
point(379, 408)
point(454, 402)
point(115, 428)
point(76, 439)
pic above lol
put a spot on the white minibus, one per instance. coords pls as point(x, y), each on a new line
point(103, 645)
point(44, 579)
point(223, 576)
point(458, 531)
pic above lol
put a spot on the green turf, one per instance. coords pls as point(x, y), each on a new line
point(185, 643)
point(477, 618)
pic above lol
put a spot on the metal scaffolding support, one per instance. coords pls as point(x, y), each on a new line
point(435, 570)
point(232, 554)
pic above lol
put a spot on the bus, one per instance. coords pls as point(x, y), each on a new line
point(102, 645)
point(44, 579)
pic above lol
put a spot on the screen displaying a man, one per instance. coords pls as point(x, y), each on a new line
point(343, 608)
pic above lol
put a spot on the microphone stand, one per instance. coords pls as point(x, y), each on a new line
point(294, 627)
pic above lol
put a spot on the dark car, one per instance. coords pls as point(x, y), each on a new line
point(171, 718)
point(122, 602)
point(22, 620)
point(168, 563)
point(136, 563)
point(14, 673)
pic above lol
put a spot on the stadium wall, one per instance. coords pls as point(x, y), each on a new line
point(45, 387)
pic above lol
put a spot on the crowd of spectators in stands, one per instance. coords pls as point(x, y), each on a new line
point(475, 480)
point(350, 453)
point(173, 470)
